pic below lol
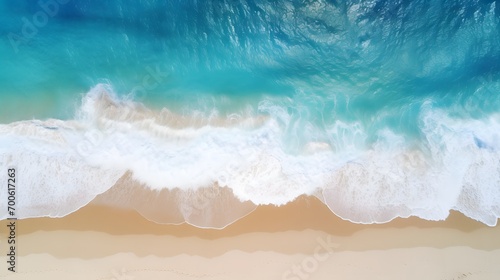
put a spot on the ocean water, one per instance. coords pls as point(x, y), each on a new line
point(199, 111)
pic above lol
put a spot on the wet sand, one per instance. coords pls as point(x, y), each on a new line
point(301, 240)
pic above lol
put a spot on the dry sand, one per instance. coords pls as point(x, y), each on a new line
point(302, 240)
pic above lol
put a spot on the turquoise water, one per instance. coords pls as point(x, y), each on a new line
point(379, 108)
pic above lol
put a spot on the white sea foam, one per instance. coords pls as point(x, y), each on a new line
point(210, 172)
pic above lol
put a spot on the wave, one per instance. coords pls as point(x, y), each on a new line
point(209, 169)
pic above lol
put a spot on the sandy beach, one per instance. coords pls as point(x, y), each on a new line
point(302, 240)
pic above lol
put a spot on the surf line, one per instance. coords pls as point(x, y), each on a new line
point(11, 219)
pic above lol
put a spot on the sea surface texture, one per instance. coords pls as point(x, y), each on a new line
point(198, 111)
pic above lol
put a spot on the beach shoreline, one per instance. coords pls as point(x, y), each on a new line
point(301, 240)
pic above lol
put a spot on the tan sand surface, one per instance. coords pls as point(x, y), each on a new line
point(302, 240)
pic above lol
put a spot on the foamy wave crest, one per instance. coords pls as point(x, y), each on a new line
point(457, 168)
point(210, 170)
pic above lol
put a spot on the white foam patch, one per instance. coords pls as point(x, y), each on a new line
point(457, 167)
point(65, 164)
point(51, 178)
point(250, 160)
